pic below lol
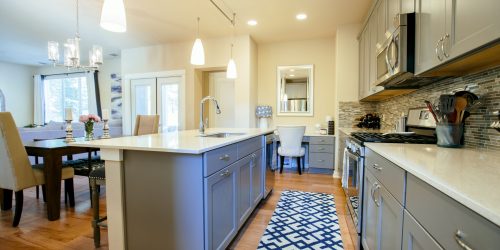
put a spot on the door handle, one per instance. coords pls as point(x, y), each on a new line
point(459, 239)
point(225, 173)
point(224, 157)
point(387, 62)
point(446, 37)
point(437, 49)
point(377, 201)
point(375, 166)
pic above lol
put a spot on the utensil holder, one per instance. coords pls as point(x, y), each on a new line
point(449, 135)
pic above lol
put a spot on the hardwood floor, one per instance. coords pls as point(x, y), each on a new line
point(73, 230)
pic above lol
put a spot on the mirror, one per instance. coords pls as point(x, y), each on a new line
point(295, 90)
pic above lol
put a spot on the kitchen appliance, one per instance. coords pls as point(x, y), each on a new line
point(421, 129)
point(270, 171)
point(395, 63)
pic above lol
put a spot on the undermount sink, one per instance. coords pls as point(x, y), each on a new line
point(222, 135)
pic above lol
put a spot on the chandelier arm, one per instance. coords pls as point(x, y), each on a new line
point(232, 21)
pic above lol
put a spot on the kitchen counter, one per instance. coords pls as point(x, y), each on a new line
point(469, 176)
point(186, 142)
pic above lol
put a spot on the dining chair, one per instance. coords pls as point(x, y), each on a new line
point(291, 144)
point(144, 125)
point(16, 171)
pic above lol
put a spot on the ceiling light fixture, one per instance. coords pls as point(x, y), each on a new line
point(198, 53)
point(72, 51)
point(231, 72)
point(113, 16)
point(301, 16)
point(252, 22)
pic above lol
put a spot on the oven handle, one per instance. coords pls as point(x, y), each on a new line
point(389, 68)
point(352, 155)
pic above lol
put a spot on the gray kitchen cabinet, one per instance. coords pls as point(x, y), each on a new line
point(363, 70)
point(381, 15)
point(321, 153)
point(244, 188)
point(372, 52)
point(470, 24)
point(430, 27)
point(221, 207)
point(415, 237)
point(257, 177)
point(382, 217)
point(393, 9)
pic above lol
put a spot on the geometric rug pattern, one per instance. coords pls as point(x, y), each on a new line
point(303, 220)
point(354, 203)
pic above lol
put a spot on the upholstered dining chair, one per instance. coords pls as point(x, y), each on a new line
point(291, 144)
point(144, 125)
point(16, 172)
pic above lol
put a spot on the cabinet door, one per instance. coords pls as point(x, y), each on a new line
point(372, 52)
point(390, 219)
point(415, 237)
point(221, 207)
point(362, 69)
point(257, 178)
point(430, 28)
point(244, 188)
point(370, 214)
point(470, 24)
point(381, 12)
point(393, 10)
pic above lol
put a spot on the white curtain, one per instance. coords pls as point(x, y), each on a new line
point(92, 92)
point(38, 100)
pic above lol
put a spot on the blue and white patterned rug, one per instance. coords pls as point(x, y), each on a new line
point(303, 220)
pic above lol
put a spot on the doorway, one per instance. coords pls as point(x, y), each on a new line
point(223, 90)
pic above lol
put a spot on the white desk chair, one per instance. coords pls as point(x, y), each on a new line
point(291, 144)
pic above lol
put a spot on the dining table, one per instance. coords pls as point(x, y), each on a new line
point(52, 152)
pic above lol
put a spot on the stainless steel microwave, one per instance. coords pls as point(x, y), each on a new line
point(395, 62)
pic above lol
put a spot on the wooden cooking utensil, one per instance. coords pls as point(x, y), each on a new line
point(460, 104)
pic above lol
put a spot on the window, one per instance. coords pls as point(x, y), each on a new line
point(2, 101)
point(62, 92)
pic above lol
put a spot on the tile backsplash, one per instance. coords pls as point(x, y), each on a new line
point(478, 134)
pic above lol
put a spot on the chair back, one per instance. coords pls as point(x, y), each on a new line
point(15, 168)
point(291, 137)
point(146, 124)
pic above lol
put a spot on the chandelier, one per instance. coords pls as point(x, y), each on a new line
point(72, 51)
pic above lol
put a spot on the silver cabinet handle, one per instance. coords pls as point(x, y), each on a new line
point(377, 201)
point(321, 148)
point(321, 160)
point(375, 166)
point(459, 239)
point(446, 37)
point(225, 173)
point(224, 157)
point(437, 49)
point(372, 191)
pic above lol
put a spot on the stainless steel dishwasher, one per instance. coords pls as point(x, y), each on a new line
point(270, 171)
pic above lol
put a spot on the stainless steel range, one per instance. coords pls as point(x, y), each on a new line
point(420, 129)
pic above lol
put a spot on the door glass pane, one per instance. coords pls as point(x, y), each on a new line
point(169, 107)
point(142, 100)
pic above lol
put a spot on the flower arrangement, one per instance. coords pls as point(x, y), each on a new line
point(88, 121)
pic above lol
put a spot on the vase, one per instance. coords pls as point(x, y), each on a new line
point(89, 131)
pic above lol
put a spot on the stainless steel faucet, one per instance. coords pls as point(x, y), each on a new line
point(202, 124)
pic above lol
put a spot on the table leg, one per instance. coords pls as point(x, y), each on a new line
point(53, 172)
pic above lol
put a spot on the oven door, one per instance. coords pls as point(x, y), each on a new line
point(353, 167)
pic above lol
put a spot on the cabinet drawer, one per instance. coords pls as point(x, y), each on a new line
point(321, 160)
point(217, 159)
point(321, 148)
point(390, 175)
point(322, 140)
point(249, 146)
point(443, 217)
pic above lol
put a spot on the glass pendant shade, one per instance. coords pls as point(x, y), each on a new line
point(231, 70)
point(113, 16)
point(53, 51)
point(97, 53)
point(198, 53)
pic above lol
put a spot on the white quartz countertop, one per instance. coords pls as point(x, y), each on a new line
point(470, 176)
point(187, 141)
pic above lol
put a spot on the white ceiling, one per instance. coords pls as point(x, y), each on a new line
point(27, 25)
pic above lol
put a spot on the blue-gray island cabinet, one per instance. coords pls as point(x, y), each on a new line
point(181, 200)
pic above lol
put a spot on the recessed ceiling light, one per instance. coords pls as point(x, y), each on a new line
point(292, 75)
point(252, 22)
point(301, 16)
point(292, 70)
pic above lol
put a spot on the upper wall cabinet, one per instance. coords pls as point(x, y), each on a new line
point(446, 29)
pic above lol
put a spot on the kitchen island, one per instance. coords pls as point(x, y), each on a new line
point(180, 190)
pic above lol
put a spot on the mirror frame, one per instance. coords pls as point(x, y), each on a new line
point(310, 87)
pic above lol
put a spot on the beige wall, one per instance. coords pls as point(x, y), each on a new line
point(16, 83)
point(176, 56)
point(320, 53)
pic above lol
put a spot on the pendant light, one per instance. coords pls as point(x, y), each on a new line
point(231, 67)
point(198, 53)
point(113, 16)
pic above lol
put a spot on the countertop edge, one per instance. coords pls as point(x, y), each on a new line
point(457, 196)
